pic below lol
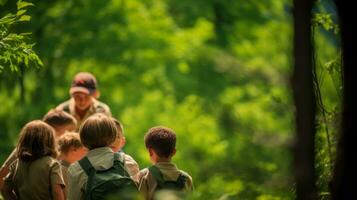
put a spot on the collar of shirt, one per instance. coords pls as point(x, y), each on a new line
point(101, 158)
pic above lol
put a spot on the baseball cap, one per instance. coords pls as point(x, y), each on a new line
point(84, 82)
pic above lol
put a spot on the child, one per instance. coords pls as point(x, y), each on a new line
point(59, 120)
point(118, 144)
point(71, 150)
point(36, 174)
point(97, 133)
point(120, 141)
point(160, 142)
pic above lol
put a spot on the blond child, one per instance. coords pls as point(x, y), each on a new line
point(36, 174)
point(70, 150)
point(97, 133)
point(59, 120)
point(160, 142)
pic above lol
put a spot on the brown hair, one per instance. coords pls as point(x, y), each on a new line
point(67, 141)
point(161, 139)
point(97, 131)
point(119, 126)
point(37, 139)
point(56, 118)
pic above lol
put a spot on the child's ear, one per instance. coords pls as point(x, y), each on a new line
point(173, 153)
point(151, 151)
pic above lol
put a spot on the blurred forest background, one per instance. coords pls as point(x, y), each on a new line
point(216, 71)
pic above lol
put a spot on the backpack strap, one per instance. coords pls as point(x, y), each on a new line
point(181, 181)
point(119, 163)
point(86, 165)
point(156, 173)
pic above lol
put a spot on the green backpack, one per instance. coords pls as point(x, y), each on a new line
point(177, 185)
point(113, 182)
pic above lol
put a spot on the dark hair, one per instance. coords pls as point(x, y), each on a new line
point(56, 118)
point(67, 141)
point(161, 139)
point(37, 139)
point(97, 131)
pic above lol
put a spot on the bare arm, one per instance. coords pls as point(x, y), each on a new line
point(58, 192)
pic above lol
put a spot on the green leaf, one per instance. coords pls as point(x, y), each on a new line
point(20, 12)
point(25, 18)
point(23, 4)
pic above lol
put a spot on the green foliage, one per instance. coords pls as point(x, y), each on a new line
point(14, 47)
point(217, 72)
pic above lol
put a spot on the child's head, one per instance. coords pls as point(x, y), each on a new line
point(70, 147)
point(119, 142)
point(61, 121)
point(161, 143)
point(37, 139)
point(83, 89)
point(97, 131)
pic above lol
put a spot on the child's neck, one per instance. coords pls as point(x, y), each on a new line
point(162, 160)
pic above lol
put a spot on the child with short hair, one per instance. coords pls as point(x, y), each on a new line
point(160, 142)
point(97, 133)
point(36, 174)
point(118, 144)
point(70, 150)
point(57, 119)
point(61, 121)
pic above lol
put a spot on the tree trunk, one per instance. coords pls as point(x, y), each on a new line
point(342, 185)
point(304, 98)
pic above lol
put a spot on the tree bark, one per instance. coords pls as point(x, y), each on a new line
point(344, 177)
point(304, 97)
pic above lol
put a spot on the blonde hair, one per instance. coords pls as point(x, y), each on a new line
point(97, 131)
point(67, 141)
point(37, 139)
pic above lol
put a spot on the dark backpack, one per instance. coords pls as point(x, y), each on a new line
point(177, 185)
point(114, 181)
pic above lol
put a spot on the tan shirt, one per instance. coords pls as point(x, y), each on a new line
point(96, 107)
point(170, 172)
point(101, 159)
point(35, 180)
point(64, 170)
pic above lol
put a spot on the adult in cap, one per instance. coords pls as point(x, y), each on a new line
point(83, 103)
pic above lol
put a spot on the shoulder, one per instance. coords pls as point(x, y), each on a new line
point(63, 106)
point(101, 107)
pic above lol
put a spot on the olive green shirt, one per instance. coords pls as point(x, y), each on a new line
point(96, 107)
point(35, 180)
point(147, 183)
point(101, 159)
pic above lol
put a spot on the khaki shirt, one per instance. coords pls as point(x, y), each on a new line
point(170, 172)
point(101, 159)
point(35, 180)
point(64, 170)
point(96, 107)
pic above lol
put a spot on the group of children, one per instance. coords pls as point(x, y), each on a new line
point(52, 161)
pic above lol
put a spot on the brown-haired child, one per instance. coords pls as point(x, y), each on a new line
point(97, 133)
point(59, 120)
point(70, 150)
point(36, 174)
point(160, 142)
